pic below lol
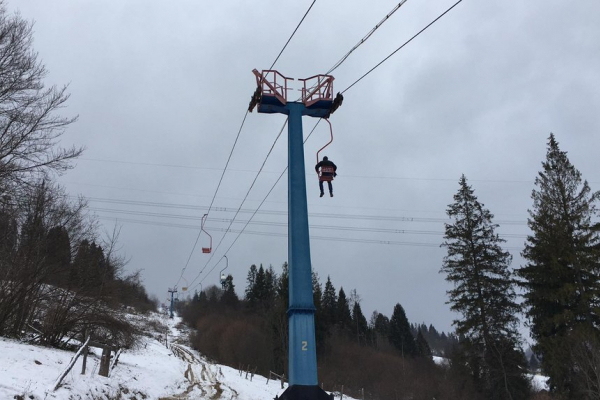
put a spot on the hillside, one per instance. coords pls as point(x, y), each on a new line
point(151, 371)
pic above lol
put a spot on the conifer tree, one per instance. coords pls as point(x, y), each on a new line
point(423, 349)
point(379, 326)
point(534, 364)
point(250, 284)
point(484, 294)
point(229, 297)
point(260, 288)
point(320, 323)
point(317, 292)
point(58, 255)
point(329, 304)
point(270, 286)
point(359, 324)
point(282, 287)
point(399, 333)
point(562, 274)
point(343, 317)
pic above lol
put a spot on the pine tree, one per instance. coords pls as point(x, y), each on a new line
point(229, 297)
point(260, 289)
point(282, 286)
point(359, 324)
point(329, 304)
point(320, 324)
point(423, 349)
point(399, 333)
point(379, 326)
point(534, 364)
point(562, 275)
point(317, 292)
point(250, 285)
point(343, 317)
point(484, 294)
point(58, 255)
point(270, 290)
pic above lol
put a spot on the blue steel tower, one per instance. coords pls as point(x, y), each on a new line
point(317, 101)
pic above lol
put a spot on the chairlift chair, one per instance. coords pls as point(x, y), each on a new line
point(326, 170)
point(223, 275)
point(206, 249)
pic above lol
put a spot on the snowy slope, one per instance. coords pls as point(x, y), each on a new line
point(152, 371)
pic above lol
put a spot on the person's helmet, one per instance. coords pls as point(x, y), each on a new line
point(325, 158)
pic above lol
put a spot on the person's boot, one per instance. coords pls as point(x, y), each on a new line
point(321, 194)
point(330, 194)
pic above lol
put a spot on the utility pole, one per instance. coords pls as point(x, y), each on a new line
point(317, 101)
point(172, 291)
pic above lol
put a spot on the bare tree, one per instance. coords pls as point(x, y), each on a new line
point(29, 126)
point(27, 263)
point(584, 350)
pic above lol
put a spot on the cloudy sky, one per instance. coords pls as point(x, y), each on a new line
point(161, 89)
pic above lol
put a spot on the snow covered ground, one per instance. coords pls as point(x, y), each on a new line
point(152, 371)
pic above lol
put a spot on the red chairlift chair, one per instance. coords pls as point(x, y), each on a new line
point(206, 249)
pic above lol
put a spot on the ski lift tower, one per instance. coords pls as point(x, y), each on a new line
point(172, 291)
point(316, 101)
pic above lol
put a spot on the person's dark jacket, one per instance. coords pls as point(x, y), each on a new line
point(326, 163)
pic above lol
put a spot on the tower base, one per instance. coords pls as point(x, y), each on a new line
point(302, 392)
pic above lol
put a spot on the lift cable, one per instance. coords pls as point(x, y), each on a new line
point(360, 42)
point(293, 33)
point(404, 44)
point(365, 38)
point(253, 214)
point(244, 200)
point(213, 199)
point(243, 228)
point(358, 80)
point(234, 144)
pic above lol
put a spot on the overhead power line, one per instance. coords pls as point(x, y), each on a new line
point(254, 213)
point(394, 231)
point(335, 66)
point(404, 44)
point(213, 199)
point(276, 234)
point(244, 200)
point(357, 217)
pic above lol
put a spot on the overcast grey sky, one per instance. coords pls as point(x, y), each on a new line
point(161, 88)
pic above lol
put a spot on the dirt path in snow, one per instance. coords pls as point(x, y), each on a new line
point(200, 377)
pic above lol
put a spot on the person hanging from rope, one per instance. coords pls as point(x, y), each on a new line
point(328, 171)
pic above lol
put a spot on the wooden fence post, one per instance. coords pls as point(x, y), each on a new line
point(115, 360)
point(71, 364)
point(85, 352)
point(105, 361)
